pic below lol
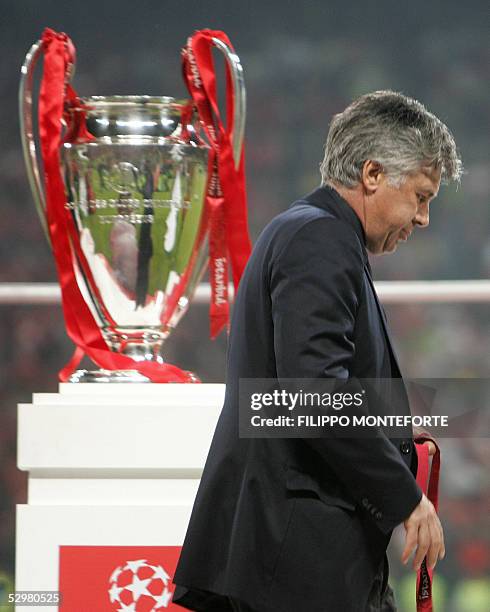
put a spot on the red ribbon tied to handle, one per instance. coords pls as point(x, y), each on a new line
point(59, 57)
point(428, 481)
point(226, 208)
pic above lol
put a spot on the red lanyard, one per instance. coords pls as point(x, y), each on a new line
point(226, 197)
point(428, 481)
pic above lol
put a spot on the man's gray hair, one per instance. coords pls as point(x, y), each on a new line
point(396, 131)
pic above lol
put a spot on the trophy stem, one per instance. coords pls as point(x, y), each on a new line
point(144, 347)
point(144, 352)
point(140, 345)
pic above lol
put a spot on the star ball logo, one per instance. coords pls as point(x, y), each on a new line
point(95, 578)
point(139, 586)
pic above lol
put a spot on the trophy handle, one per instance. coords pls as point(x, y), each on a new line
point(26, 131)
point(238, 82)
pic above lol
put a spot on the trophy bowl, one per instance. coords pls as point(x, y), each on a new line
point(136, 180)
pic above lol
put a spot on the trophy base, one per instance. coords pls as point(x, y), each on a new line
point(108, 376)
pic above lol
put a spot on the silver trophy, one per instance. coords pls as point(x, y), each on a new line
point(136, 183)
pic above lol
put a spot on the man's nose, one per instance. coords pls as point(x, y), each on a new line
point(422, 216)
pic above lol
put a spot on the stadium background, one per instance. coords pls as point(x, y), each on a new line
point(303, 61)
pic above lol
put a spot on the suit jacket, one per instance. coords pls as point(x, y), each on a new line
point(300, 524)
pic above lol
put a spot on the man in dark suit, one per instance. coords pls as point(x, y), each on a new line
point(302, 524)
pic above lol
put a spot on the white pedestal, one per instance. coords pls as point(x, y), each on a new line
point(109, 465)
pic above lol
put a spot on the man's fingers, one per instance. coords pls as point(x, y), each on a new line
point(410, 542)
point(435, 544)
point(423, 546)
point(440, 535)
point(442, 551)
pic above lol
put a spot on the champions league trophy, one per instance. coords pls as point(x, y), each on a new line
point(130, 236)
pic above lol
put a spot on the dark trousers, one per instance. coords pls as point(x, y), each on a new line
point(239, 606)
point(381, 597)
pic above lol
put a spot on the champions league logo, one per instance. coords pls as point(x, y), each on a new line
point(138, 586)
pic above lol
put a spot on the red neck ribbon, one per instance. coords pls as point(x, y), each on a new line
point(59, 57)
point(226, 209)
point(428, 481)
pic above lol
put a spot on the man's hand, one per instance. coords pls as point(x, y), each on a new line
point(417, 431)
point(424, 533)
point(432, 447)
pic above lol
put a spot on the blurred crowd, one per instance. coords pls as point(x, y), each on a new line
point(295, 82)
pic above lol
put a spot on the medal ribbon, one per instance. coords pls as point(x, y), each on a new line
point(226, 194)
point(59, 56)
point(428, 481)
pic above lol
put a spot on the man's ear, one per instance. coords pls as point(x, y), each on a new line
point(372, 176)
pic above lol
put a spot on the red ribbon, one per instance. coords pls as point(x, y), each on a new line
point(428, 481)
point(59, 56)
point(226, 194)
